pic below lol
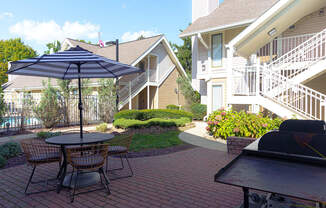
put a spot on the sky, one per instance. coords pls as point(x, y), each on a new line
point(39, 22)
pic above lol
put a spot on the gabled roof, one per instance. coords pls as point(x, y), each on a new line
point(230, 13)
point(129, 53)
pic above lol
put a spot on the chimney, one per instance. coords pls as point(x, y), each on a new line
point(201, 8)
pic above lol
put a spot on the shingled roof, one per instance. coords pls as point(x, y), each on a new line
point(230, 13)
point(129, 52)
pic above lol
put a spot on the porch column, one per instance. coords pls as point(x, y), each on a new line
point(148, 107)
point(229, 80)
point(148, 66)
point(130, 100)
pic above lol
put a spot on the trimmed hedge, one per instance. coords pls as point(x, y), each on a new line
point(133, 123)
point(9, 150)
point(46, 134)
point(3, 161)
point(173, 107)
point(152, 113)
point(199, 111)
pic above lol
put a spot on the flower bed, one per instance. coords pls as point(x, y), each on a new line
point(223, 124)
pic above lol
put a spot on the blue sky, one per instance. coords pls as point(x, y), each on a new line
point(38, 22)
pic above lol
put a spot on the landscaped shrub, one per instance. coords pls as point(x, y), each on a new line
point(49, 110)
point(46, 134)
point(103, 127)
point(224, 123)
point(199, 111)
point(153, 113)
point(10, 149)
point(3, 161)
point(133, 123)
point(173, 107)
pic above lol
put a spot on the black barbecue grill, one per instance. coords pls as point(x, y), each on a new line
point(290, 161)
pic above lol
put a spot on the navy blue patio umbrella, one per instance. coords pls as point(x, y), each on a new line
point(75, 63)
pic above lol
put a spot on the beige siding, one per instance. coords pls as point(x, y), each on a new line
point(311, 23)
point(166, 94)
point(152, 97)
point(318, 83)
point(230, 34)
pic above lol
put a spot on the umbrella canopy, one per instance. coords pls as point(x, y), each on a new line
point(75, 63)
point(64, 65)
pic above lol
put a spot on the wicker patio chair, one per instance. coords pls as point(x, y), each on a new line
point(122, 151)
point(90, 158)
point(38, 153)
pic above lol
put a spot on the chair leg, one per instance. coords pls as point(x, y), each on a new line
point(73, 171)
point(75, 185)
point(120, 168)
point(131, 171)
point(30, 179)
point(107, 181)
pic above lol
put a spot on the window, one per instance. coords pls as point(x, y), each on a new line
point(217, 49)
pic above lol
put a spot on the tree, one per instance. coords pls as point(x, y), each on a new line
point(26, 111)
point(12, 50)
point(65, 91)
point(187, 91)
point(87, 100)
point(53, 47)
point(107, 99)
point(49, 110)
point(141, 37)
point(183, 52)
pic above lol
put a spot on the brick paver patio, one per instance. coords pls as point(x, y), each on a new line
point(182, 179)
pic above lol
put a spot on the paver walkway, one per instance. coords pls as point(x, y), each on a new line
point(182, 179)
point(196, 136)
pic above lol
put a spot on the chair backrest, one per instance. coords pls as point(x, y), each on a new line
point(87, 157)
point(38, 152)
point(124, 141)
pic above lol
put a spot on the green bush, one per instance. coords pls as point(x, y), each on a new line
point(199, 111)
point(10, 149)
point(223, 124)
point(133, 123)
point(103, 127)
point(46, 134)
point(173, 107)
point(3, 161)
point(153, 113)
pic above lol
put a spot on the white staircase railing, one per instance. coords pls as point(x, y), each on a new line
point(301, 57)
point(259, 80)
point(297, 97)
point(131, 88)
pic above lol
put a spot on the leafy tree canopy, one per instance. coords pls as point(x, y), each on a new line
point(53, 47)
point(183, 52)
point(12, 50)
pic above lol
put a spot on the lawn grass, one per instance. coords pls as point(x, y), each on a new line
point(142, 142)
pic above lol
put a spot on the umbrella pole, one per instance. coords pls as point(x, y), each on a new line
point(80, 104)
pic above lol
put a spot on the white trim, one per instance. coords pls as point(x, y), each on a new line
point(258, 22)
point(202, 41)
point(147, 52)
point(174, 56)
point(223, 27)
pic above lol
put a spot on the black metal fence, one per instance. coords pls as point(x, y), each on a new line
point(20, 114)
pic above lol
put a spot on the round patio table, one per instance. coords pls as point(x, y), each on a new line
point(74, 139)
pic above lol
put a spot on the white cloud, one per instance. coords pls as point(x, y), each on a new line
point(6, 15)
point(45, 32)
point(128, 36)
point(124, 6)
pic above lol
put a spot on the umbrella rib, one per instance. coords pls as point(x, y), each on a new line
point(107, 69)
point(66, 71)
point(38, 60)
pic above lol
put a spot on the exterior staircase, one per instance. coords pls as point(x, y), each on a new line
point(277, 86)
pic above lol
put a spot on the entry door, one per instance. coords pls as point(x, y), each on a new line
point(217, 97)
